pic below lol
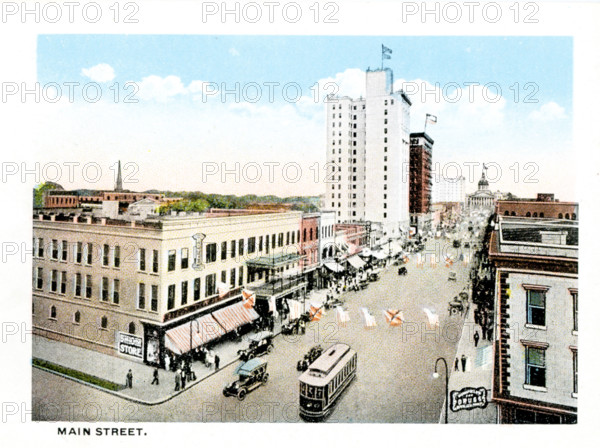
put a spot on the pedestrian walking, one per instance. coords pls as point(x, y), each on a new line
point(483, 332)
point(490, 334)
point(167, 363)
point(155, 376)
point(182, 376)
point(217, 362)
point(456, 365)
point(463, 362)
point(177, 380)
point(476, 338)
point(129, 379)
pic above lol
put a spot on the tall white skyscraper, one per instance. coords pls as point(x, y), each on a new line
point(368, 149)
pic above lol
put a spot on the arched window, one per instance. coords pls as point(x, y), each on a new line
point(104, 322)
point(506, 213)
point(535, 214)
point(567, 216)
point(560, 216)
point(528, 215)
point(513, 214)
point(131, 328)
point(77, 317)
point(573, 216)
point(541, 214)
point(52, 312)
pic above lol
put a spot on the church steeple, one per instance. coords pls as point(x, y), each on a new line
point(119, 183)
point(483, 182)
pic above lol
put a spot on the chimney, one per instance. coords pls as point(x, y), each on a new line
point(75, 219)
point(103, 221)
point(40, 217)
point(88, 220)
point(52, 218)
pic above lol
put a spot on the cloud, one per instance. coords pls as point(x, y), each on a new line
point(548, 112)
point(99, 73)
point(160, 89)
point(351, 82)
point(233, 52)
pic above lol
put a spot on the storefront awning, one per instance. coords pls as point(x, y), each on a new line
point(333, 266)
point(273, 261)
point(234, 316)
point(379, 255)
point(203, 330)
point(356, 262)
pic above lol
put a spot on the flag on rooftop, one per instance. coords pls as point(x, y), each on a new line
point(431, 119)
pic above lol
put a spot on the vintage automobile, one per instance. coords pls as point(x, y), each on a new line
point(260, 344)
point(332, 302)
point(309, 357)
point(251, 374)
point(456, 243)
point(402, 270)
point(373, 276)
point(293, 325)
point(455, 307)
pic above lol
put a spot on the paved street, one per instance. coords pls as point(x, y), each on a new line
point(395, 365)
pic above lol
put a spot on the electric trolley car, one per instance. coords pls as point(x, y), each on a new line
point(322, 384)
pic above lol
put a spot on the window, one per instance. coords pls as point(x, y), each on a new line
point(88, 286)
point(155, 261)
point(185, 258)
point(117, 257)
point(575, 372)
point(273, 245)
point(184, 292)
point(535, 366)
point(89, 253)
point(233, 247)
point(79, 252)
point(142, 260)
point(260, 243)
point(52, 312)
point(223, 276)
point(232, 277)
point(64, 250)
point(241, 247)
point(131, 328)
point(560, 216)
point(224, 250)
point(104, 322)
point(196, 289)
point(78, 285)
point(39, 281)
point(252, 244)
point(172, 255)
point(171, 297)
point(40, 248)
point(154, 298)
point(105, 250)
point(294, 235)
point(536, 307)
point(304, 235)
point(54, 248)
point(63, 282)
point(574, 295)
point(76, 317)
point(240, 276)
point(267, 239)
point(104, 292)
point(210, 285)
point(141, 296)
point(116, 283)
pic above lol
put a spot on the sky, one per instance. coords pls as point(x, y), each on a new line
point(207, 102)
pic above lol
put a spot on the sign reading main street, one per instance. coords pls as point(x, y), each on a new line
point(130, 344)
point(468, 398)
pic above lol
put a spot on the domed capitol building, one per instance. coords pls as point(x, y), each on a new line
point(483, 198)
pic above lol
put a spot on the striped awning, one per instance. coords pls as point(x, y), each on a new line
point(234, 316)
point(195, 333)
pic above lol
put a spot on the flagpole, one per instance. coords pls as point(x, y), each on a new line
point(425, 128)
point(382, 56)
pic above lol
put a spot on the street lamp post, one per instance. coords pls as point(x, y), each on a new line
point(437, 375)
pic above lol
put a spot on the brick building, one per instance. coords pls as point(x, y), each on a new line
point(420, 173)
point(544, 206)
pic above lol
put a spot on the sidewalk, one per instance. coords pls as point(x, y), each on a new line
point(114, 368)
point(477, 374)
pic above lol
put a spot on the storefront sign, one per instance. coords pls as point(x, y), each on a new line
point(468, 398)
point(130, 344)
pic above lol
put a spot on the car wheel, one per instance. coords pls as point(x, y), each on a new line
point(269, 349)
point(241, 394)
point(224, 393)
point(265, 378)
